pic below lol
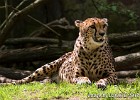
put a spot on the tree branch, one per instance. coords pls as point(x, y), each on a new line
point(94, 4)
point(6, 11)
point(11, 14)
point(13, 20)
point(44, 25)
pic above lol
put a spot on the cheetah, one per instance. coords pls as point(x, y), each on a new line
point(90, 61)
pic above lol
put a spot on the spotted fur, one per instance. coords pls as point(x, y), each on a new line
point(90, 61)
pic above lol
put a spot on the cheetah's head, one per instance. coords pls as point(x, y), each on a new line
point(92, 32)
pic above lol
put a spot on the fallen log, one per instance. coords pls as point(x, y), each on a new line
point(37, 41)
point(124, 76)
point(32, 54)
point(128, 80)
point(122, 62)
point(128, 74)
point(126, 47)
point(127, 68)
point(127, 61)
point(118, 49)
point(25, 42)
point(116, 38)
point(13, 73)
point(32, 40)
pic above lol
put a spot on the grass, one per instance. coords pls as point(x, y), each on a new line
point(47, 91)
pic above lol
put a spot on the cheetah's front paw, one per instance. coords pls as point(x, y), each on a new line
point(101, 84)
point(83, 80)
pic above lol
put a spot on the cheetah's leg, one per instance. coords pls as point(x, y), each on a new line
point(111, 79)
point(81, 80)
point(80, 76)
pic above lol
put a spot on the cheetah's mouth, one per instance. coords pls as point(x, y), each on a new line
point(100, 39)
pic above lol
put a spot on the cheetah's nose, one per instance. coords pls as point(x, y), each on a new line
point(102, 34)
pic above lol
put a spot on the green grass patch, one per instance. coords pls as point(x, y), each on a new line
point(47, 91)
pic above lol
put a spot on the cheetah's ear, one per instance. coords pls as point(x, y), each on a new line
point(105, 19)
point(77, 23)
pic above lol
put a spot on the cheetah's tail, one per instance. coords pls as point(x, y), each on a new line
point(45, 70)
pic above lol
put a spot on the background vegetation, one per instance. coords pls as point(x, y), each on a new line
point(66, 91)
point(123, 15)
point(35, 32)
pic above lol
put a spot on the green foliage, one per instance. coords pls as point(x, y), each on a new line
point(117, 8)
point(120, 15)
point(122, 18)
point(37, 91)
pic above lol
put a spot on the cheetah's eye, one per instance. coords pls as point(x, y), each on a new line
point(92, 26)
point(104, 25)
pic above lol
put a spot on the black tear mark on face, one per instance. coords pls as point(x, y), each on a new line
point(92, 26)
point(105, 25)
point(95, 32)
